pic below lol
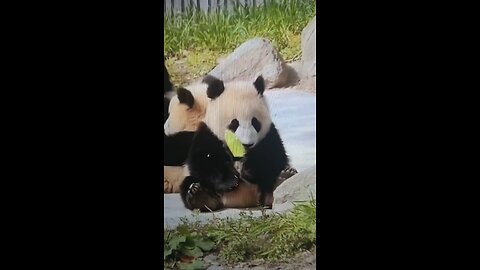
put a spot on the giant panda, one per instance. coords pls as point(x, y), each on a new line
point(176, 146)
point(240, 107)
point(186, 109)
point(177, 138)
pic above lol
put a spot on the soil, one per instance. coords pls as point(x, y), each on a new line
point(305, 260)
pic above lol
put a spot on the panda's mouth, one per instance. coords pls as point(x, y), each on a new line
point(247, 145)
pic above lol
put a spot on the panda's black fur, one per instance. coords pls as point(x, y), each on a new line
point(211, 168)
point(176, 147)
point(210, 162)
point(262, 164)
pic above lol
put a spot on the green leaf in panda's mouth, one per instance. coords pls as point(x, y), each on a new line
point(234, 144)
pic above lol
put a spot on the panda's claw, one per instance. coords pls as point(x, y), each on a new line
point(287, 173)
point(193, 188)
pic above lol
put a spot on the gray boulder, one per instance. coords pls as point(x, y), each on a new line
point(253, 58)
point(301, 187)
point(309, 56)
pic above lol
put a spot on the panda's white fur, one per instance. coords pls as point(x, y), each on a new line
point(240, 100)
point(181, 116)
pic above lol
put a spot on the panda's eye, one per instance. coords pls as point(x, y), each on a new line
point(256, 124)
point(208, 155)
point(233, 125)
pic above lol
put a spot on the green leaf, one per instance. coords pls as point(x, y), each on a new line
point(234, 144)
point(167, 252)
point(189, 243)
point(194, 252)
point(175, 241)
point(205, 245)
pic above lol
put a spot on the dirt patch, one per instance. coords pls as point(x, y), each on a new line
point(305, 260)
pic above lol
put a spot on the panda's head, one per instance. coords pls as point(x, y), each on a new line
point(240, 107)
point(186, 109)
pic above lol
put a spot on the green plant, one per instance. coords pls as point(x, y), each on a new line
point(182, 248)
point(273, 237)
point(197, 39)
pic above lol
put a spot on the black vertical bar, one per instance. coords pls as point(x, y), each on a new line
point(182, 5)
point(172, 6)
point(209, 5)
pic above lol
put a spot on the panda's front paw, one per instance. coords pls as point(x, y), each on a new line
point(287, 173)
point(193, 188)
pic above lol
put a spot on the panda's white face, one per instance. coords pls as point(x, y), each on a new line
point(246, 130)
point(242, 110)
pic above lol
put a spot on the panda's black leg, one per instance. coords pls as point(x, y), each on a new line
point(266, 199)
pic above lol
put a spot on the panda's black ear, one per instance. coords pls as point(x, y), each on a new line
point(215, 86)
point(185, 97)
point(260, 85)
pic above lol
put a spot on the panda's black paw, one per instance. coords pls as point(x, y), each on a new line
point(287, 173)
point(193, 188)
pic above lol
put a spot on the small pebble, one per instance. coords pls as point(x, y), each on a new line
point(216, 267)
point(258, 268)
point(210, 258)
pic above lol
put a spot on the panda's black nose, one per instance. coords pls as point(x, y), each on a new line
point(247, 145)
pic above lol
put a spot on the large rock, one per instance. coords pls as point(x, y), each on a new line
point(301, 187)
point(309, 55)
point(253, 58)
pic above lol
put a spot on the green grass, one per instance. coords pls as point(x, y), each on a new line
point(198, 39)
point(270, 237)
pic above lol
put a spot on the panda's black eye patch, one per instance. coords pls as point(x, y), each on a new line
point(256, 124)
point(233, 125)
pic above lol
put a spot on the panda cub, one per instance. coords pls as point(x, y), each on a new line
point(176, 145)
point(241, 108)
point(185, 112)
point(180, 119)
